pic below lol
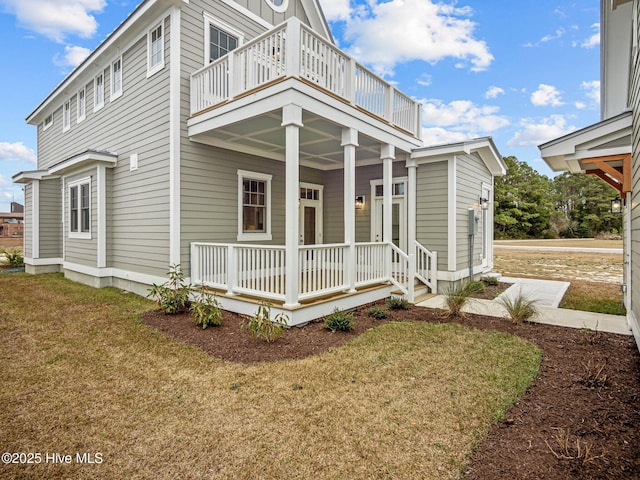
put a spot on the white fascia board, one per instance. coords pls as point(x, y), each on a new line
point(248, 13)
point(317, 19)
point(141, 10)
point(29, 176)
point(485, 147)
point(84, 160)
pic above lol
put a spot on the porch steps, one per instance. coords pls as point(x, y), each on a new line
point(420, 292)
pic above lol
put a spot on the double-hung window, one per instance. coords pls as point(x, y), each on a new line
point(66, 116)
point(254, 202)
point(81, 101)
point(98, 92)
point(219, 39)
point(116, 79)
point(155, 50)
point(80, 209)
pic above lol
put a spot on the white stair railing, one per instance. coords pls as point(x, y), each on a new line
point(427, 266)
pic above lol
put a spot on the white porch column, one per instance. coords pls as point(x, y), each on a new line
point(292, 121)
point(387, 154)
point(349, 143)
point(411, 206)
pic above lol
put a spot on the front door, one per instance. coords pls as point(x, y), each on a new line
point(398, 222)
point(310, 219)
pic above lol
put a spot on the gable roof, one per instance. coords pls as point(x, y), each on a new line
point(484, 147)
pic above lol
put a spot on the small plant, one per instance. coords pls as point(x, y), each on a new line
point(519, 308)
point(14, 257)
point(172, 296)
point(593, 376)
point(457, 296)
point(490, 281)
point(378, 313)
point(206, 310)
point(261, 325)
point(567, 449)
point(398, 303)
point(339, 320)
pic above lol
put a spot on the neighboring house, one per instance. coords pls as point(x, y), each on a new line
point(610, 148)
point(235, 139)
point(12, 223)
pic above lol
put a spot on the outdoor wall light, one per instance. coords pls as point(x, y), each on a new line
point(484, 203)
point(359, 202)
point(616, 205)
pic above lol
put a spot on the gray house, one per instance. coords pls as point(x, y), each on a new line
point(235, 139)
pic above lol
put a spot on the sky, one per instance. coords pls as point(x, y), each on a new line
point(522, 72)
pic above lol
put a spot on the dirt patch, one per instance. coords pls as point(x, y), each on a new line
point(492, 291)
point(579, 420)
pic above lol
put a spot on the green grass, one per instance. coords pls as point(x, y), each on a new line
point(594, 297)
point(79, 373)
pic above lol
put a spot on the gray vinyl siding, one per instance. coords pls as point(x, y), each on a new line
point(634, 101)
point(28, 220)
point(432, 200)
point(82, 251)
point(261, 8)
point(50, 219)
point(470, 174)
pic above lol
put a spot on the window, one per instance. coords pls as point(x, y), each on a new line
point(116, 79)
point(279, 6)
point(254, 206)
point(48, 121)
point(397, 189)
point(220, 43)
point(80, 209)
point(81, 101)
point(155, 50)
point(66, 116)
point(98, 95)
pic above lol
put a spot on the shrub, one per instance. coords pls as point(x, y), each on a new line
point(172, 296)
point(377, 313)
point(339, 320)
point(398, 303)
point(14, 257)
point(261, 326)
point(490, 281)
point(519, 308)
point(457, 296)
point(206, 310)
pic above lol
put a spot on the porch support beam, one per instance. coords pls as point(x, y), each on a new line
point(349, 143)
point(292, 121)
point(411, 208)
point(387, 154)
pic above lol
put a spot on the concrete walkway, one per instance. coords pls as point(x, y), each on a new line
point(561, 249)
point(548, 294)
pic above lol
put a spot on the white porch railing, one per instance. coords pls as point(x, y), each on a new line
point(259, 270)
point(427, 266)
point(293, 50)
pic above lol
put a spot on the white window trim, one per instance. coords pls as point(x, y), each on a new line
point(46, 126)
point(80, 118)
point(115, 94)
point(97, 106)
point(257, 236)
point(152, 70)
point(78, 183)
point(211, 20)
point(66, 120)
point(279, 9)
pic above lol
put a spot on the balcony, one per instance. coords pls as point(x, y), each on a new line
point(293, 50)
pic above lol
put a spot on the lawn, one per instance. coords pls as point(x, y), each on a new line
point(81, 374)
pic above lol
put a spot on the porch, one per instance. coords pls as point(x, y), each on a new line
point(346, 274)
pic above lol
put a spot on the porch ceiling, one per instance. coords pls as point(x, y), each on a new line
point(264, 136)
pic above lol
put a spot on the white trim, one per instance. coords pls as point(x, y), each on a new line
point(248, 13)
point(487, 217)
point(318, 205)
point(279, 9)
point(376, 228)
point(101, 211)
point(635, 326)
point(78, 183)
point(44, 122)
point(452, 213)
point(80, 118)
point(86, 159)
point(35, 220)
point(36, 262)
point(174, 138)
point(211, 20)
point(66, 115)
point(115, 94)
point(453, 276)
point(98, 106)
point(153, 69)
point(257, 236)
point(113, 272)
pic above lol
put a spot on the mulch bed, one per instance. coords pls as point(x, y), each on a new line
point(575, 422)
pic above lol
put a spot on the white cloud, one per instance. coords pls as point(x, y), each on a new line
point(56, 19)
point(546, 95)
point(3, 182)
point(557, 34)
point(73, 56)
point(493, 92)
point(593, 40)
point(533, 133)
point(439, 136)
point(592, 90)
point(580, 105)
point(424, 80)
point(16, 152)
point(335, 10)
point(383, 34)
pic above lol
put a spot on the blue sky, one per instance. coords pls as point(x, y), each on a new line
point(523, 72)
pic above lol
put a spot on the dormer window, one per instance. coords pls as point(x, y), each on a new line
point(279, 6)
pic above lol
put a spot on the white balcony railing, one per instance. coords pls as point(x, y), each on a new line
point(293, 50)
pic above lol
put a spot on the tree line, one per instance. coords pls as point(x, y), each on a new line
point(531, 205)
